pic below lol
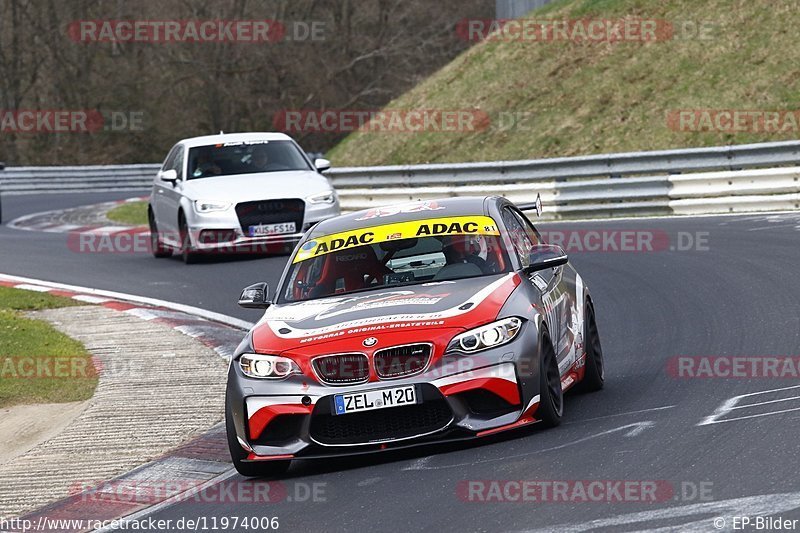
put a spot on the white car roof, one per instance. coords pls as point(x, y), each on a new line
point(234, 137)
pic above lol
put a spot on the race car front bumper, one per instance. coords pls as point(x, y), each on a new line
point(461, 398)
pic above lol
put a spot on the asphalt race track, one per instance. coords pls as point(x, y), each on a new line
point(736, 295)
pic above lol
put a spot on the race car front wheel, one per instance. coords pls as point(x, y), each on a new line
point(156, 246)
point(594, 377)
point(551, 403)
point(188, 253)
point(238, 455)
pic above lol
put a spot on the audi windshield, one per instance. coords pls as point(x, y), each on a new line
point(231, 159)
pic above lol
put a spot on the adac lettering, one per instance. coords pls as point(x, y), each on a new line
point(455, 227)
point(338, 244)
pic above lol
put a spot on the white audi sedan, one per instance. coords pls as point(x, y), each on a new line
point(237, 192)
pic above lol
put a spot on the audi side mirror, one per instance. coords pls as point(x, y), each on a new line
point(169, 176)
point(322, 165)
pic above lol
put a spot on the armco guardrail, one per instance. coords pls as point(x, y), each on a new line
point(97, 178)
point(745, 178)
point(701, 180)
point(559, 169)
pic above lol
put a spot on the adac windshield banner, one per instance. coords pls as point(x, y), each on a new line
point(468, 225)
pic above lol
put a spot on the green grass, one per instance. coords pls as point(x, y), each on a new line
point(20, 300)
point(577, 99)
point(131, 213)
point(39, 364)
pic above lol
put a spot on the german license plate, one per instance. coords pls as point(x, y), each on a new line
point(282, 228)
point(375, 399)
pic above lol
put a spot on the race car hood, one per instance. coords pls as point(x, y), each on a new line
point(312, 324)
point(262, 186)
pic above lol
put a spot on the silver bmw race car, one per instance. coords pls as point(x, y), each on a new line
point(401, 326)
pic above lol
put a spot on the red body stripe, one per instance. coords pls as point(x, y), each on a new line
point(264, 340)
point(254, 457)
point(501, 387)
point(261, 418)
point(518, 423)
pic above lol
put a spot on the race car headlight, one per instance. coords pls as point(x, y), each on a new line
point(328, 197)
point(267, 366)
point(209, 206)
point(488, 336)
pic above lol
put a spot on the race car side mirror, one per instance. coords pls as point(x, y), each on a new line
point(545, 256)
point(322, 165)
point(255, 297)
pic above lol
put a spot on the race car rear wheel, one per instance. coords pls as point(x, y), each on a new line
point(238, 455)
point(156, 246)
point(551, 403)
point(594, 377)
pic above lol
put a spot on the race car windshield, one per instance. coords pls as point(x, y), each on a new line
point(233, 159)
point(380, 257)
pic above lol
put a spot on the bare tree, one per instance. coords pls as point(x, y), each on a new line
point(371, 51)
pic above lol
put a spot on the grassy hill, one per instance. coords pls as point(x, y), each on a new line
point(584, 98)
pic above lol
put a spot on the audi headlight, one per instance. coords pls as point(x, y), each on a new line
point(327, 197)
point(267, 366)
point(209, 206)
point(484, 337)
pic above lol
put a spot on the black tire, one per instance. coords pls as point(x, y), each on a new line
point(551, 401)
point(594, 378)
point(159, 249)
point(238, 455)
point(188, 254)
